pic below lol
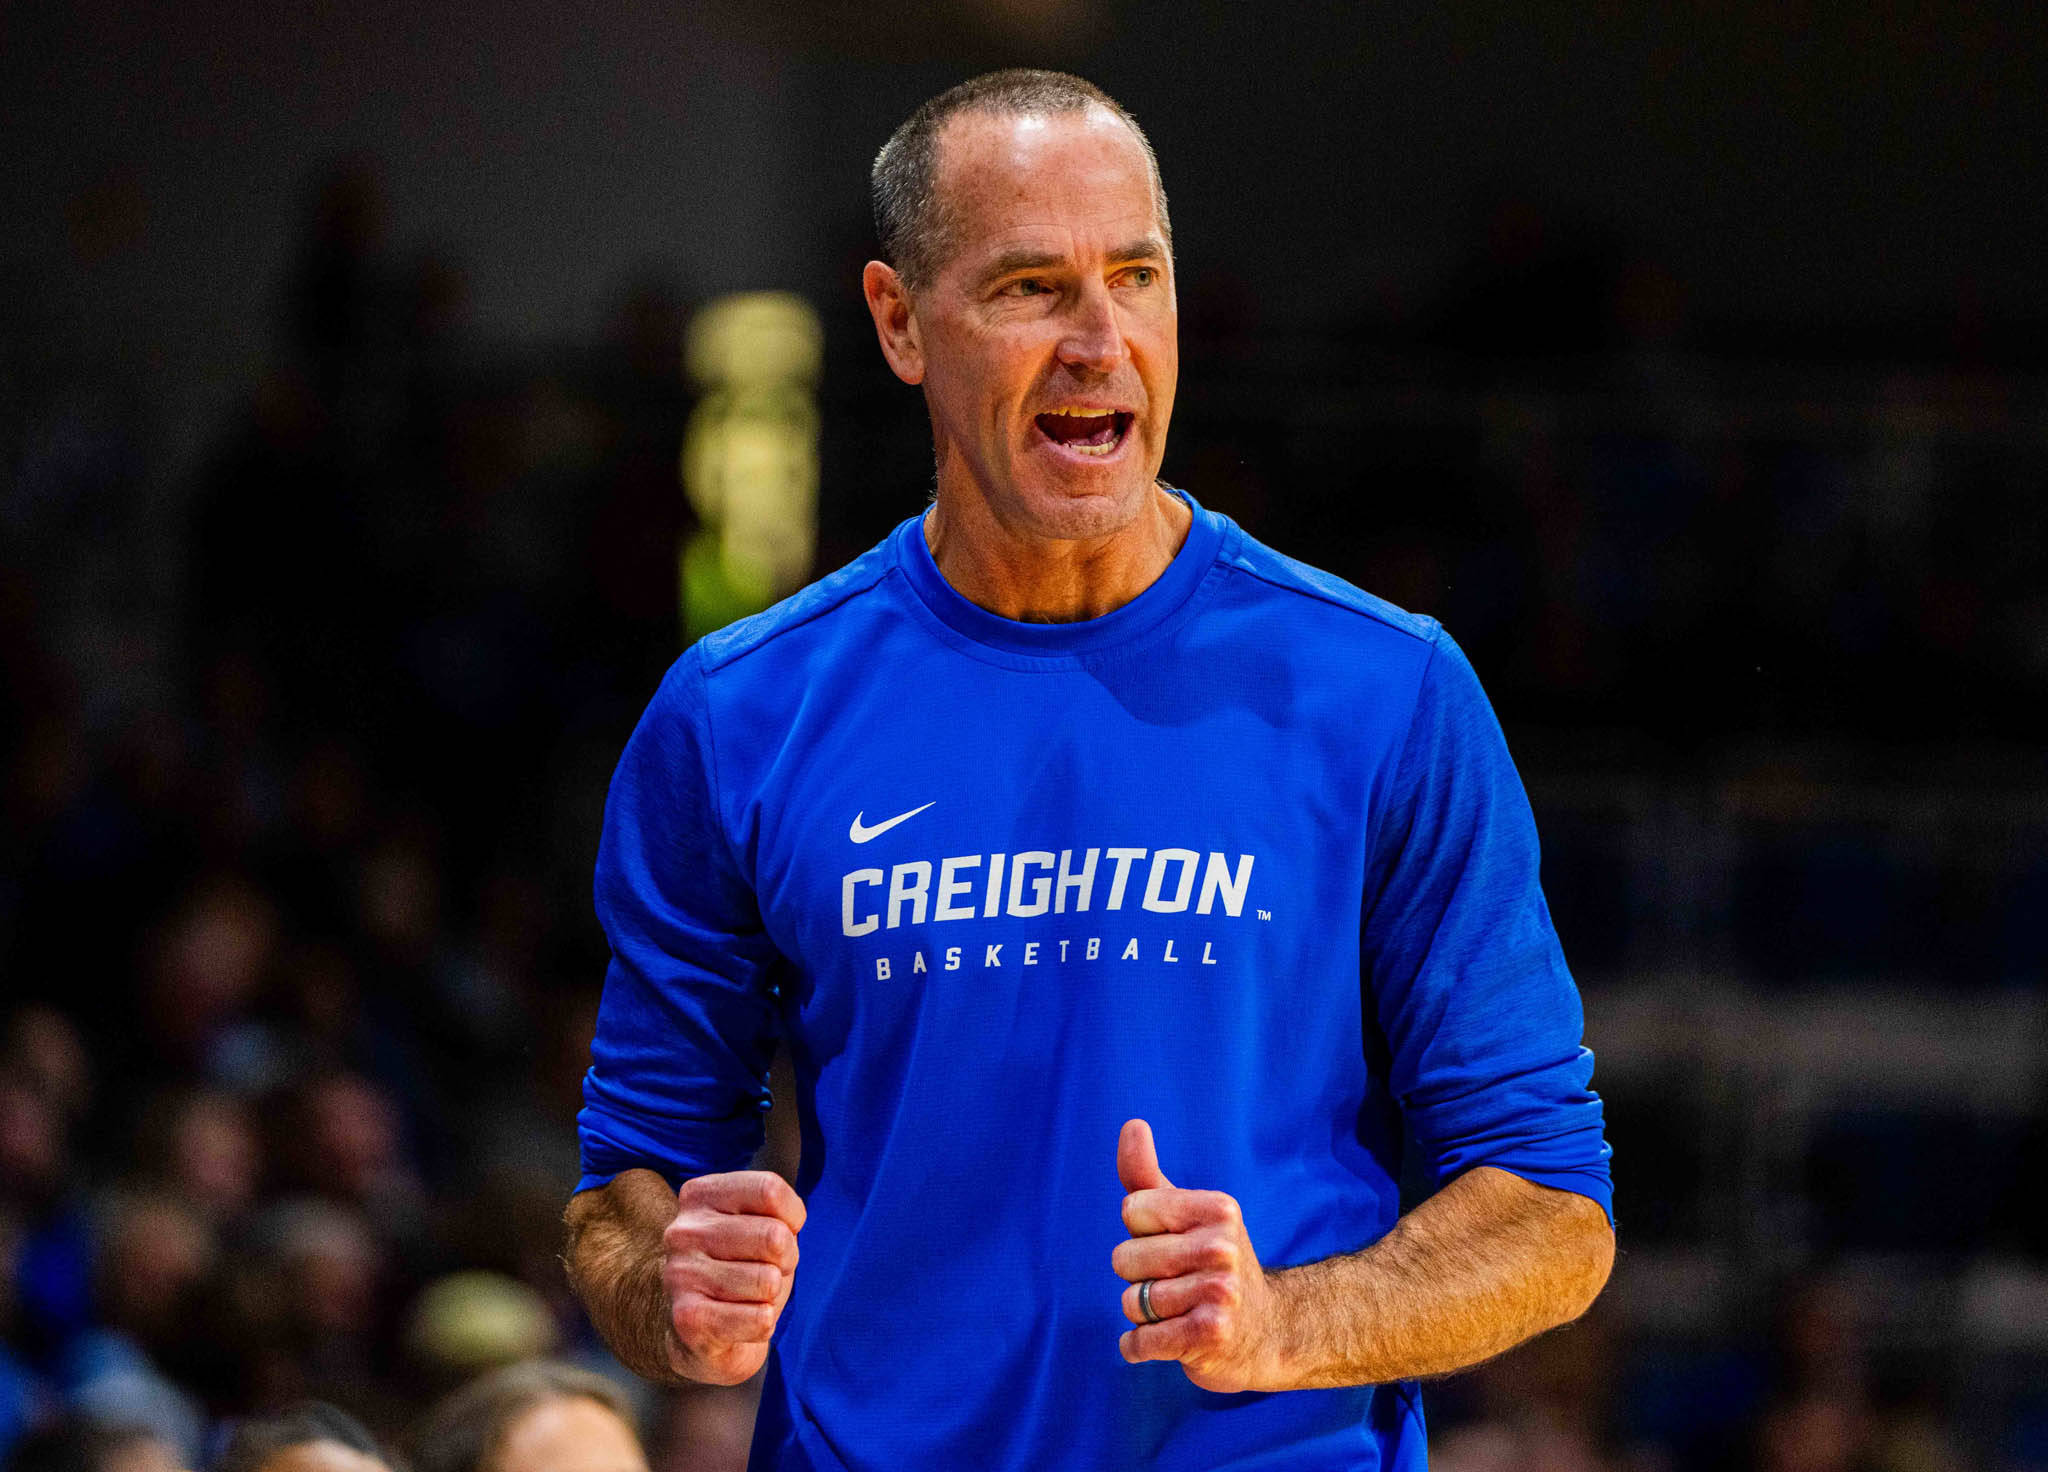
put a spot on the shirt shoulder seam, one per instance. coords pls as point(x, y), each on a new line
point(1399, 751)
point(714, 663)
point(732, 854)
point(1428, 636)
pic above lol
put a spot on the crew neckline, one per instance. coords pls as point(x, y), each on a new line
point(1167, 595)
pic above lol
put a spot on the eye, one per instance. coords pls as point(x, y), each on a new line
point(1028, 286)
point(1142, 275)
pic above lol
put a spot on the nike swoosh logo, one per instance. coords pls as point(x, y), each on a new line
point(861, 834)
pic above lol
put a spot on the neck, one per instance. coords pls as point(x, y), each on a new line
point(1041, 580)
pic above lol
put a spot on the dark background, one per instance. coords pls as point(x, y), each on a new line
point(1687, 361)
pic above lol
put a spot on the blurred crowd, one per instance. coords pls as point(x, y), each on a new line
point(527, 1416)
point(294, 919)
point(300, 781)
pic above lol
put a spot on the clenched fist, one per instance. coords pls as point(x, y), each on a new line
point(1218, 1312)
point(728, 1262)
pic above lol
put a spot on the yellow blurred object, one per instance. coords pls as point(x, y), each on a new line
point(473, 1321)
point(750, 455)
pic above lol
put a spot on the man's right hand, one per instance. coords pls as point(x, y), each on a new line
point(728, 1263)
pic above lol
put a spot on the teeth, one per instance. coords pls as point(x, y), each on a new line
point(1111, 433)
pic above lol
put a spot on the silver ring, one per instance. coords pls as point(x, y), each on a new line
point(1145, 1301)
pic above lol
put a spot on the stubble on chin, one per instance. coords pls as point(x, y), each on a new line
point(1086, 518)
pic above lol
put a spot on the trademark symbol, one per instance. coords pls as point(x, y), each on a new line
point(1265, 914)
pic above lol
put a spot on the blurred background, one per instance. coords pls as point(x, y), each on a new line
point(1690, 362)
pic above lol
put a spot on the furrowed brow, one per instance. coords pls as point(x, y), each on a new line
point(1149, 250)
point(1146, 250)
point(1010, 262)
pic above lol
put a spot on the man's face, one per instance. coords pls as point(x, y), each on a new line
point(1048, 337)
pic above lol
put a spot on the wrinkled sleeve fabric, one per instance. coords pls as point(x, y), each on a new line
point(1469, 986)
point(687, 1026)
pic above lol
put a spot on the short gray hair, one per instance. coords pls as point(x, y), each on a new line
point(911, 221)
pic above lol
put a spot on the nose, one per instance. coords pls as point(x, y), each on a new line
point(1094, 339)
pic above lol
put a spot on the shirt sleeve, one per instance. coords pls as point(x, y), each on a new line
point(1480, 1015)
point(687, 1026)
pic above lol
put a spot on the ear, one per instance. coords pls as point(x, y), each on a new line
point(895, 321)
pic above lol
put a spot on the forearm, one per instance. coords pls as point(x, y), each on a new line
point(614, 1260)
point(1487, 1262)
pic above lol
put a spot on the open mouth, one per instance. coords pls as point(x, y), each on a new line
point(1084, 433)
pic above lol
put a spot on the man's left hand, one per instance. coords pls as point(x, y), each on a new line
point(1219, 1315)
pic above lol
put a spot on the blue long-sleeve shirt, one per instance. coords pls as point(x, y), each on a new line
point(1246, 858)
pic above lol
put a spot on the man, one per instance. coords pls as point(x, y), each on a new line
point(1068, 808)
